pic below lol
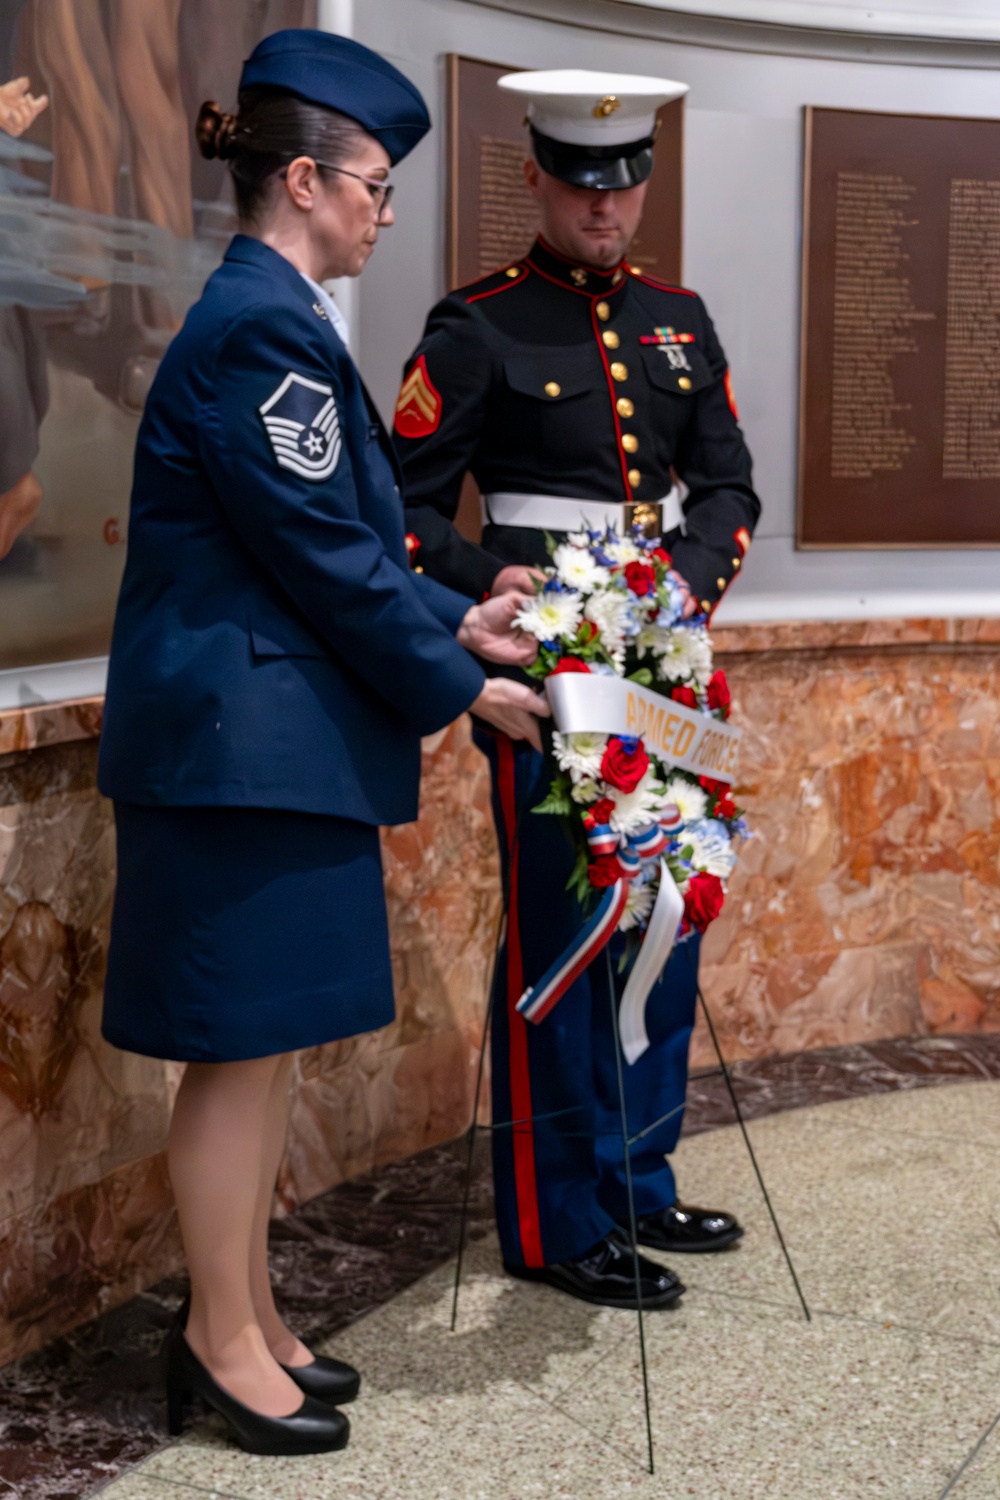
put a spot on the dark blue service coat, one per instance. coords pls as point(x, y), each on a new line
point(272, 647)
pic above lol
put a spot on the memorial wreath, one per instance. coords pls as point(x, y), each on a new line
point(642, 774)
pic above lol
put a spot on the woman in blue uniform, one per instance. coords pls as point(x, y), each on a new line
point(273, 666)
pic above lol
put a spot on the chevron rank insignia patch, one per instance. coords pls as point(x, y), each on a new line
point(418, 410)
point(302, 422)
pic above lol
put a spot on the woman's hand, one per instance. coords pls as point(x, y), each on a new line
point(516, 580)
point(487, 630)
point(512, 707)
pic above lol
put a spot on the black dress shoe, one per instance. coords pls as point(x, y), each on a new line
point(315, 1428)
point(329, 1380)
point(687, 1231)
point(605, 1276)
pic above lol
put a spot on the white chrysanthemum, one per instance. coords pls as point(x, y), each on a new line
point(689, 799)
point(622, 551)
point(700, 654)
point(712, 849)
point(576, 567)
point(609, 611)
point(653, 639)
point(638, 905)
point(685, 656)
point(585, 790)
point(551, 615)
point(637, 809)
point(580, 754)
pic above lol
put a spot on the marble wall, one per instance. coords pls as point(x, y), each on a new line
point(866, 905)
point(86, 1216)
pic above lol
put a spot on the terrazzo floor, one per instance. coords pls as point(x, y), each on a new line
point(891, 1208)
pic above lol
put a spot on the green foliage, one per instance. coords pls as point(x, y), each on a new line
point(642, 675)
point(558, 800)
point(579, 881)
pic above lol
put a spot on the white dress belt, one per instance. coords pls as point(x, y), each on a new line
point(561, 513)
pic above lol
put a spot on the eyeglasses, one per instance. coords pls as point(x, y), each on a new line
point(381, 191)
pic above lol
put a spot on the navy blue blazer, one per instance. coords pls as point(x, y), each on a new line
point(272, 647)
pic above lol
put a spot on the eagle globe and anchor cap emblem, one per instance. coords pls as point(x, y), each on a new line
point(303, 425)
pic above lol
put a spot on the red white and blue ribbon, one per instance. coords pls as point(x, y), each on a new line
point(661, 934)
point(538, 999)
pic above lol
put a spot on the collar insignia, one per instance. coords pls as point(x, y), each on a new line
point(319, 309)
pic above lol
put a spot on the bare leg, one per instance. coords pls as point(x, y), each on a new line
point(217, 1144)
point(283, 1344)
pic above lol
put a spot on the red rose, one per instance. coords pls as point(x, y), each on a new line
point(684, 695)
point(725, 807)
point(604, 871)
point(719, 695)
point(703, 900)
point(663, 556)
point(625, 763)
point(569, 664)
point(640, 578)
point(602, 810)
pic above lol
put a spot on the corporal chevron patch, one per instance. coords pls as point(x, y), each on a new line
point(304, 427)
point(418, 410)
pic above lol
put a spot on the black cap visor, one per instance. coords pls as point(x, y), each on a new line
point(603, 167)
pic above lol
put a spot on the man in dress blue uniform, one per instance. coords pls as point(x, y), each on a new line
point(574, 389)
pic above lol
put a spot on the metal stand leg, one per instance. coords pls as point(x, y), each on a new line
point(473, 1127)
point(753, 1159)
point(632, 1226)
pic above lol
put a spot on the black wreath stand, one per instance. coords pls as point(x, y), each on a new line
point(628, 1141)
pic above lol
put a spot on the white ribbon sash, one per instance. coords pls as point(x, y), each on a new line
point(588, 703)
point(665, 919)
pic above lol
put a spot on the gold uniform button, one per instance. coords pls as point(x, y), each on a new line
point(619, 371)
point(552, 389)
point(513, 271)
point(418, 569)
point(603, 311)
point(720, 583)
point(611, 338)
point(634, 478)
point(736, 562)
point(630, 442)
point(624, 407)
point(684, 383)
point(706, 606)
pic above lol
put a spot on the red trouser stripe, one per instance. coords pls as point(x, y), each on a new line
point(517, 1028)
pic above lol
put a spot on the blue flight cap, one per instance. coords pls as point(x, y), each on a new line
point(341, 74)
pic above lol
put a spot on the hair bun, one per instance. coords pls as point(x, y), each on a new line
point(214, 131)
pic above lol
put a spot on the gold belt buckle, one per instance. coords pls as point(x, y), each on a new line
point(648, 516)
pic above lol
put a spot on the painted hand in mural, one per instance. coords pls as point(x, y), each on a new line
point(18, 108)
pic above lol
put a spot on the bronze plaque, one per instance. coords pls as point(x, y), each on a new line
point(491, 214)
point(900, 395)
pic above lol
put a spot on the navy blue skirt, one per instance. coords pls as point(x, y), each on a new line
point(243, 932)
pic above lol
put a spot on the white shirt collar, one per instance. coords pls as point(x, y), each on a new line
point(331, 309)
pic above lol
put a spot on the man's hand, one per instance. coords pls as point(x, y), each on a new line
point(516, 580)
point(691, 605)
point(18, 108)
point(487, 631)
point(514, 708)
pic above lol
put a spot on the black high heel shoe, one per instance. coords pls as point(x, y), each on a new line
point(330, 1380)
point(315, 1428)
